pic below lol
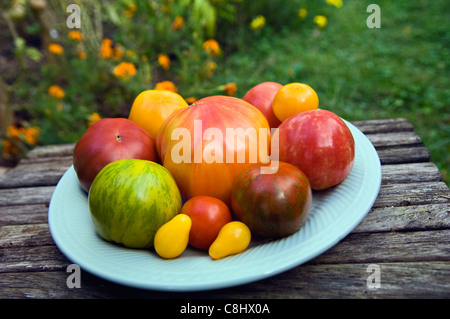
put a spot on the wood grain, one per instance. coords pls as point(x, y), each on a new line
point(406, 233)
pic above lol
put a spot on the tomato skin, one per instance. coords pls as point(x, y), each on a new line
point(152, 107)
point(106, 141)
point(272, 205)
point(208, 215)
point(172, 238)
point(294, 98)
point(233, 238)
point(205, 176)
point(130, 199)
point(320, 144)
point(261, 96)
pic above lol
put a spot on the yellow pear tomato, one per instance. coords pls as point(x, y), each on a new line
point(172, 238)
point(233, 238)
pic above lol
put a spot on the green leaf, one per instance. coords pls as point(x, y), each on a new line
point(33, 53)
point(206, 14)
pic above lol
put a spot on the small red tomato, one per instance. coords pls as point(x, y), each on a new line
point(208, 215)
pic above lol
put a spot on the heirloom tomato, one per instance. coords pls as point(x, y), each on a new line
point(109, 140)
point(320, 144)
point(294, 98)
point(208, 215)
point(172, 238)
point(261, 97)
point(131, 199)
point(208, 144)
point(272, 205)
point(152, 107)
point(233, 238)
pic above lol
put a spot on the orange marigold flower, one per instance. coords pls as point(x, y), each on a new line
point(56, 91)
point(55, 48)
point(9, 148)
point(129, 13)
point(13, 131)
point(75, 35)
point(118, 52)
point(81, 55)
point(191, 99)
point(164, 61)
point(31, 135)
point(212, 47)
point(125, 70)
point(230, 88)
point(178, 23)
point(94, 117)
point(106, 50)
point(166, 85)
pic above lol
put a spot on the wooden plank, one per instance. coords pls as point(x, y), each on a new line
point(25, 235)
point(410, 173)
point(406, 218)
point(394, 139)
point(408, 280)
point(24, 214)
point(32, 258)
point(26, 195)
point(19, 255)
point(389, 247)
point(45, 173)
point(405, 154)
point(40, 173)
point(391, 195)
point(384, 126)
point(51, 151)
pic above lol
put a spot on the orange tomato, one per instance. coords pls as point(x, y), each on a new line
point(203, 150)
point(151, 108)
point(294, 98)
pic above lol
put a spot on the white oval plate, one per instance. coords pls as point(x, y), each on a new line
point(334, 214)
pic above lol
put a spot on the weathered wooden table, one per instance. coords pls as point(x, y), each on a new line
point(405, 238)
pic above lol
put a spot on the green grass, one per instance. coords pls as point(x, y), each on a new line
point(399, 70)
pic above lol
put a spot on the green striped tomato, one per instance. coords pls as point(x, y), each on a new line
point(130, 199)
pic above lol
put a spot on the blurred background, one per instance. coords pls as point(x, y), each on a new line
point(64, 67)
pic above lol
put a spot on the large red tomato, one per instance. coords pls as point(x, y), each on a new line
point(272, 205)
point(320, 144)
point(208, 216)
point(261, 97)
point(106, 141)
point(208, 144)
